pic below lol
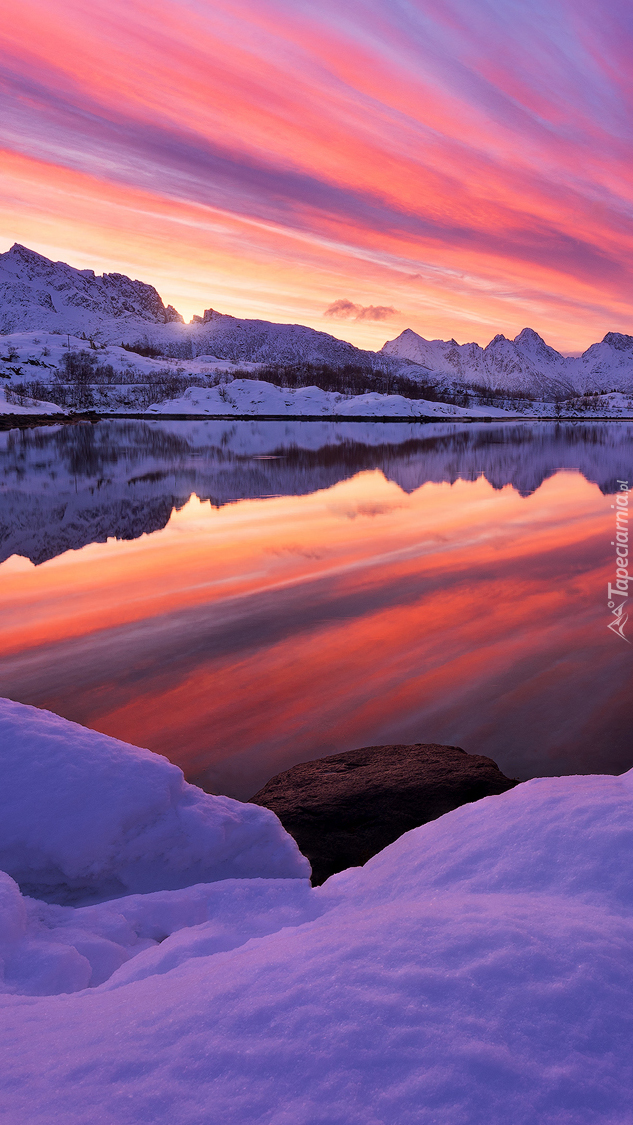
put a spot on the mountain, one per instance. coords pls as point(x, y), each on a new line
point(38, 294)
point(525, 364)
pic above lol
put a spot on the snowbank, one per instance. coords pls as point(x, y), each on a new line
point(48, 949)
point(256, 397)
point(476, 972)
point(84, 816)
point(10, 403)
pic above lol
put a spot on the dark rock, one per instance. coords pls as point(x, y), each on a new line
point(344, 809)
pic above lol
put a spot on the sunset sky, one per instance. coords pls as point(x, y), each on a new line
point(460, 167)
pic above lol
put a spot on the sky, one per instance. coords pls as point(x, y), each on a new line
point(459, 167)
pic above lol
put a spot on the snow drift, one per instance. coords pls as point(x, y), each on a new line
point(84, 816)
point(255, 397)
point(476, 972)
point(47, 949)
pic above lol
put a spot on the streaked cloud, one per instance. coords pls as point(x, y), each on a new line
point(472, 160)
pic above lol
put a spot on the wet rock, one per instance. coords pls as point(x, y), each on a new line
point(345, 808)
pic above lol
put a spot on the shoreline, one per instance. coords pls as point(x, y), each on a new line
point(28, 421)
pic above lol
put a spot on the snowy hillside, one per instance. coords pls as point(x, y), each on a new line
point(36, 293)
point(525, 364)
point(477, 970)
point(19, 404)
point(258, 398)
point(46, 374)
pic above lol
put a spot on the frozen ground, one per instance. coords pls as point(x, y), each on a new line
point(478, 970)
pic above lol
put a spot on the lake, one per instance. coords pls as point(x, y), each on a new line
point(242, 596)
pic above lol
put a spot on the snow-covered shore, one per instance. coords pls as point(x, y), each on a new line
point(12, 405)
point(255, 398)
point(476, 971)
point(222, 388)
point(39, 357)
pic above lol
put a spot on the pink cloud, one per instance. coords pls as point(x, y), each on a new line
point(482, 152)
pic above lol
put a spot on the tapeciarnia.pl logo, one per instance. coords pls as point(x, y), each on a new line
point(618, 592)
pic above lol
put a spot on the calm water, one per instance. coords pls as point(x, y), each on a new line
point(244, 596)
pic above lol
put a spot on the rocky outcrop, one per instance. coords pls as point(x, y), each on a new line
point(344, 809)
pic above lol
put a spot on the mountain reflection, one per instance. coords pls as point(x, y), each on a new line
point(64, 487)
point(345, 586)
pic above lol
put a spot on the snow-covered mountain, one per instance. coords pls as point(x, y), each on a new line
point(41, 295)
point(525, 364)
point(37, 294)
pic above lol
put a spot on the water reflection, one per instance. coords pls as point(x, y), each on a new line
point(376, 583)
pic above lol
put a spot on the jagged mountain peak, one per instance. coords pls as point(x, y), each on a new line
point(23, 254)
point(525, 364)
point(37, 294)
point(618, 340)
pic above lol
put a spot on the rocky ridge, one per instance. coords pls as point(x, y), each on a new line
point(37, 294)
point(525, 364)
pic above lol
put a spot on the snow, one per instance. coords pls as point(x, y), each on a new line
point(27, 356)
point(84, 816)
point(44, 297)
point(39, 355)
point(39, 295)
point(526, 363)
point(476, 972)
point(48, 949)
point(26, 405)
point(257, 398)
